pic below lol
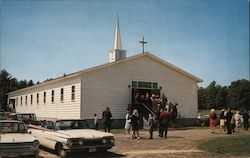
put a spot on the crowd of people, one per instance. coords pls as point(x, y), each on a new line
point(228, 121)
point(157, 111)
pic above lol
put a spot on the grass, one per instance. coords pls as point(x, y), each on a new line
point(231, 145)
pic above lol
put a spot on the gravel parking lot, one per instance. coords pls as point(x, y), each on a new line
point(180, 143)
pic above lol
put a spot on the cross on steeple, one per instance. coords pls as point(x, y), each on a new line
point(143, 42)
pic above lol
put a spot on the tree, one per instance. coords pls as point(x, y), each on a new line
point(211, 92)
point(239, 94)
point(202, 100)
point(4, 88)
point(221, 97)
point(9, 84)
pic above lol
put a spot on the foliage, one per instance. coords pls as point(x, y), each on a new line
point(237, 95)
point(231, 145)
point(9, 84)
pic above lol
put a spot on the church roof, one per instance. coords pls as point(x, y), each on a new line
point(113, 64)
point(141, 55)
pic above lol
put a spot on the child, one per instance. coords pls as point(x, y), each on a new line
point(151, 123)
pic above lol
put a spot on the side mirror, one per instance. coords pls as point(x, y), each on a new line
point(30, 132)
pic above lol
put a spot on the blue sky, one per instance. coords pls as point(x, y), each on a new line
point(45, 39)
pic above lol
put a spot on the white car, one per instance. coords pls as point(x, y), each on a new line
point(66, 136)
point(15, 141)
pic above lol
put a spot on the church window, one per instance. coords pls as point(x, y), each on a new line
point(37, 98)
point(73, 93)
point(21, 101)
point(31, 99)
point(26, 98)
point(52, 96)
point(44, 97)
point(144, 85)
point(62, 92)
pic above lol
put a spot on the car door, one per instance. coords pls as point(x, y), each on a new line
point(46, 135)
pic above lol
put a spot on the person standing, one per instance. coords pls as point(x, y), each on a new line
point(174, 114)
point(229, 116)
point(127, 127)
point(106, 119)
point(237, 120)
point(165, 119)
point(222, 120)
point(245, 120)
point(151, 123)
point(96, 122)
point(135, 124)
point(213, 120)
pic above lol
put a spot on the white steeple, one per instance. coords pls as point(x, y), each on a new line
point(117, 53)
point(118, 42)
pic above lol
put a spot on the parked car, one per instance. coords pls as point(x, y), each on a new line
point(203, 120)
point(4, 115)
point(15, 141)
point(66, 136)
point(27, 118)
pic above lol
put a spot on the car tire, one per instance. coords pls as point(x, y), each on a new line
point(60, 151)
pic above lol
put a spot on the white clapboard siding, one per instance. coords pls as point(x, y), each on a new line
point(67, 109)
point(109, 87)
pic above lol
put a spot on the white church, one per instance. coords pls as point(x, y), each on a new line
point(81, 94)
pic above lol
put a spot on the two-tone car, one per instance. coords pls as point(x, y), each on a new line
point(64, 136)
point(15, 141)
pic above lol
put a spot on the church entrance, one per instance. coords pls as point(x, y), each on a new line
point(140, 89)
point(142, 93)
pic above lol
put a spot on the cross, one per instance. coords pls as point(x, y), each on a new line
point(143, 42)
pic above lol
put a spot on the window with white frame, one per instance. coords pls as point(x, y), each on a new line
point(52, 96)
point(73, 93)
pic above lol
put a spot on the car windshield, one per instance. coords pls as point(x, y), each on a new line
point(31, 117)
point(71, 124)
point(12, 127)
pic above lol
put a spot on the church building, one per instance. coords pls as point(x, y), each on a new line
point(81, 94)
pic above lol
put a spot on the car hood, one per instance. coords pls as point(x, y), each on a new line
point(16, 138)
point(84, 133)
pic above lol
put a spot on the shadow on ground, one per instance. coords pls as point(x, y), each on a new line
point(94, 155)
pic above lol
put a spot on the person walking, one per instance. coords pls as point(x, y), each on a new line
point(96, 122)
point(128, 125)
point(151, 123)
point(229, 116)
point(107, 119)
point(213, 120)
point(135, 124)
point(245, 120)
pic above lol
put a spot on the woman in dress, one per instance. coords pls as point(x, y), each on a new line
point(127, 127)
point(213, 120)
point(135, 124)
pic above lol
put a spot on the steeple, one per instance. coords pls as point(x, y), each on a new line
point(118, 42)
point(117, 53)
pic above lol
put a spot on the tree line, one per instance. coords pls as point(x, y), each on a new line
point(9, 84)
point(236, 95)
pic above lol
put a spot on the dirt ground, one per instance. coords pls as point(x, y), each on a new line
point(179, 143)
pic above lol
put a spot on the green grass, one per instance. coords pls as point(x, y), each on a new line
point(231, 145)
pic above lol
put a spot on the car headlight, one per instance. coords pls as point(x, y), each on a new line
point(69, 143)
point(104, 141)
point(36, 143)
point(80, 142)
point(112, 140)
point(109, 140)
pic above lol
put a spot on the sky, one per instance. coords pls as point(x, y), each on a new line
point(41, 39)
